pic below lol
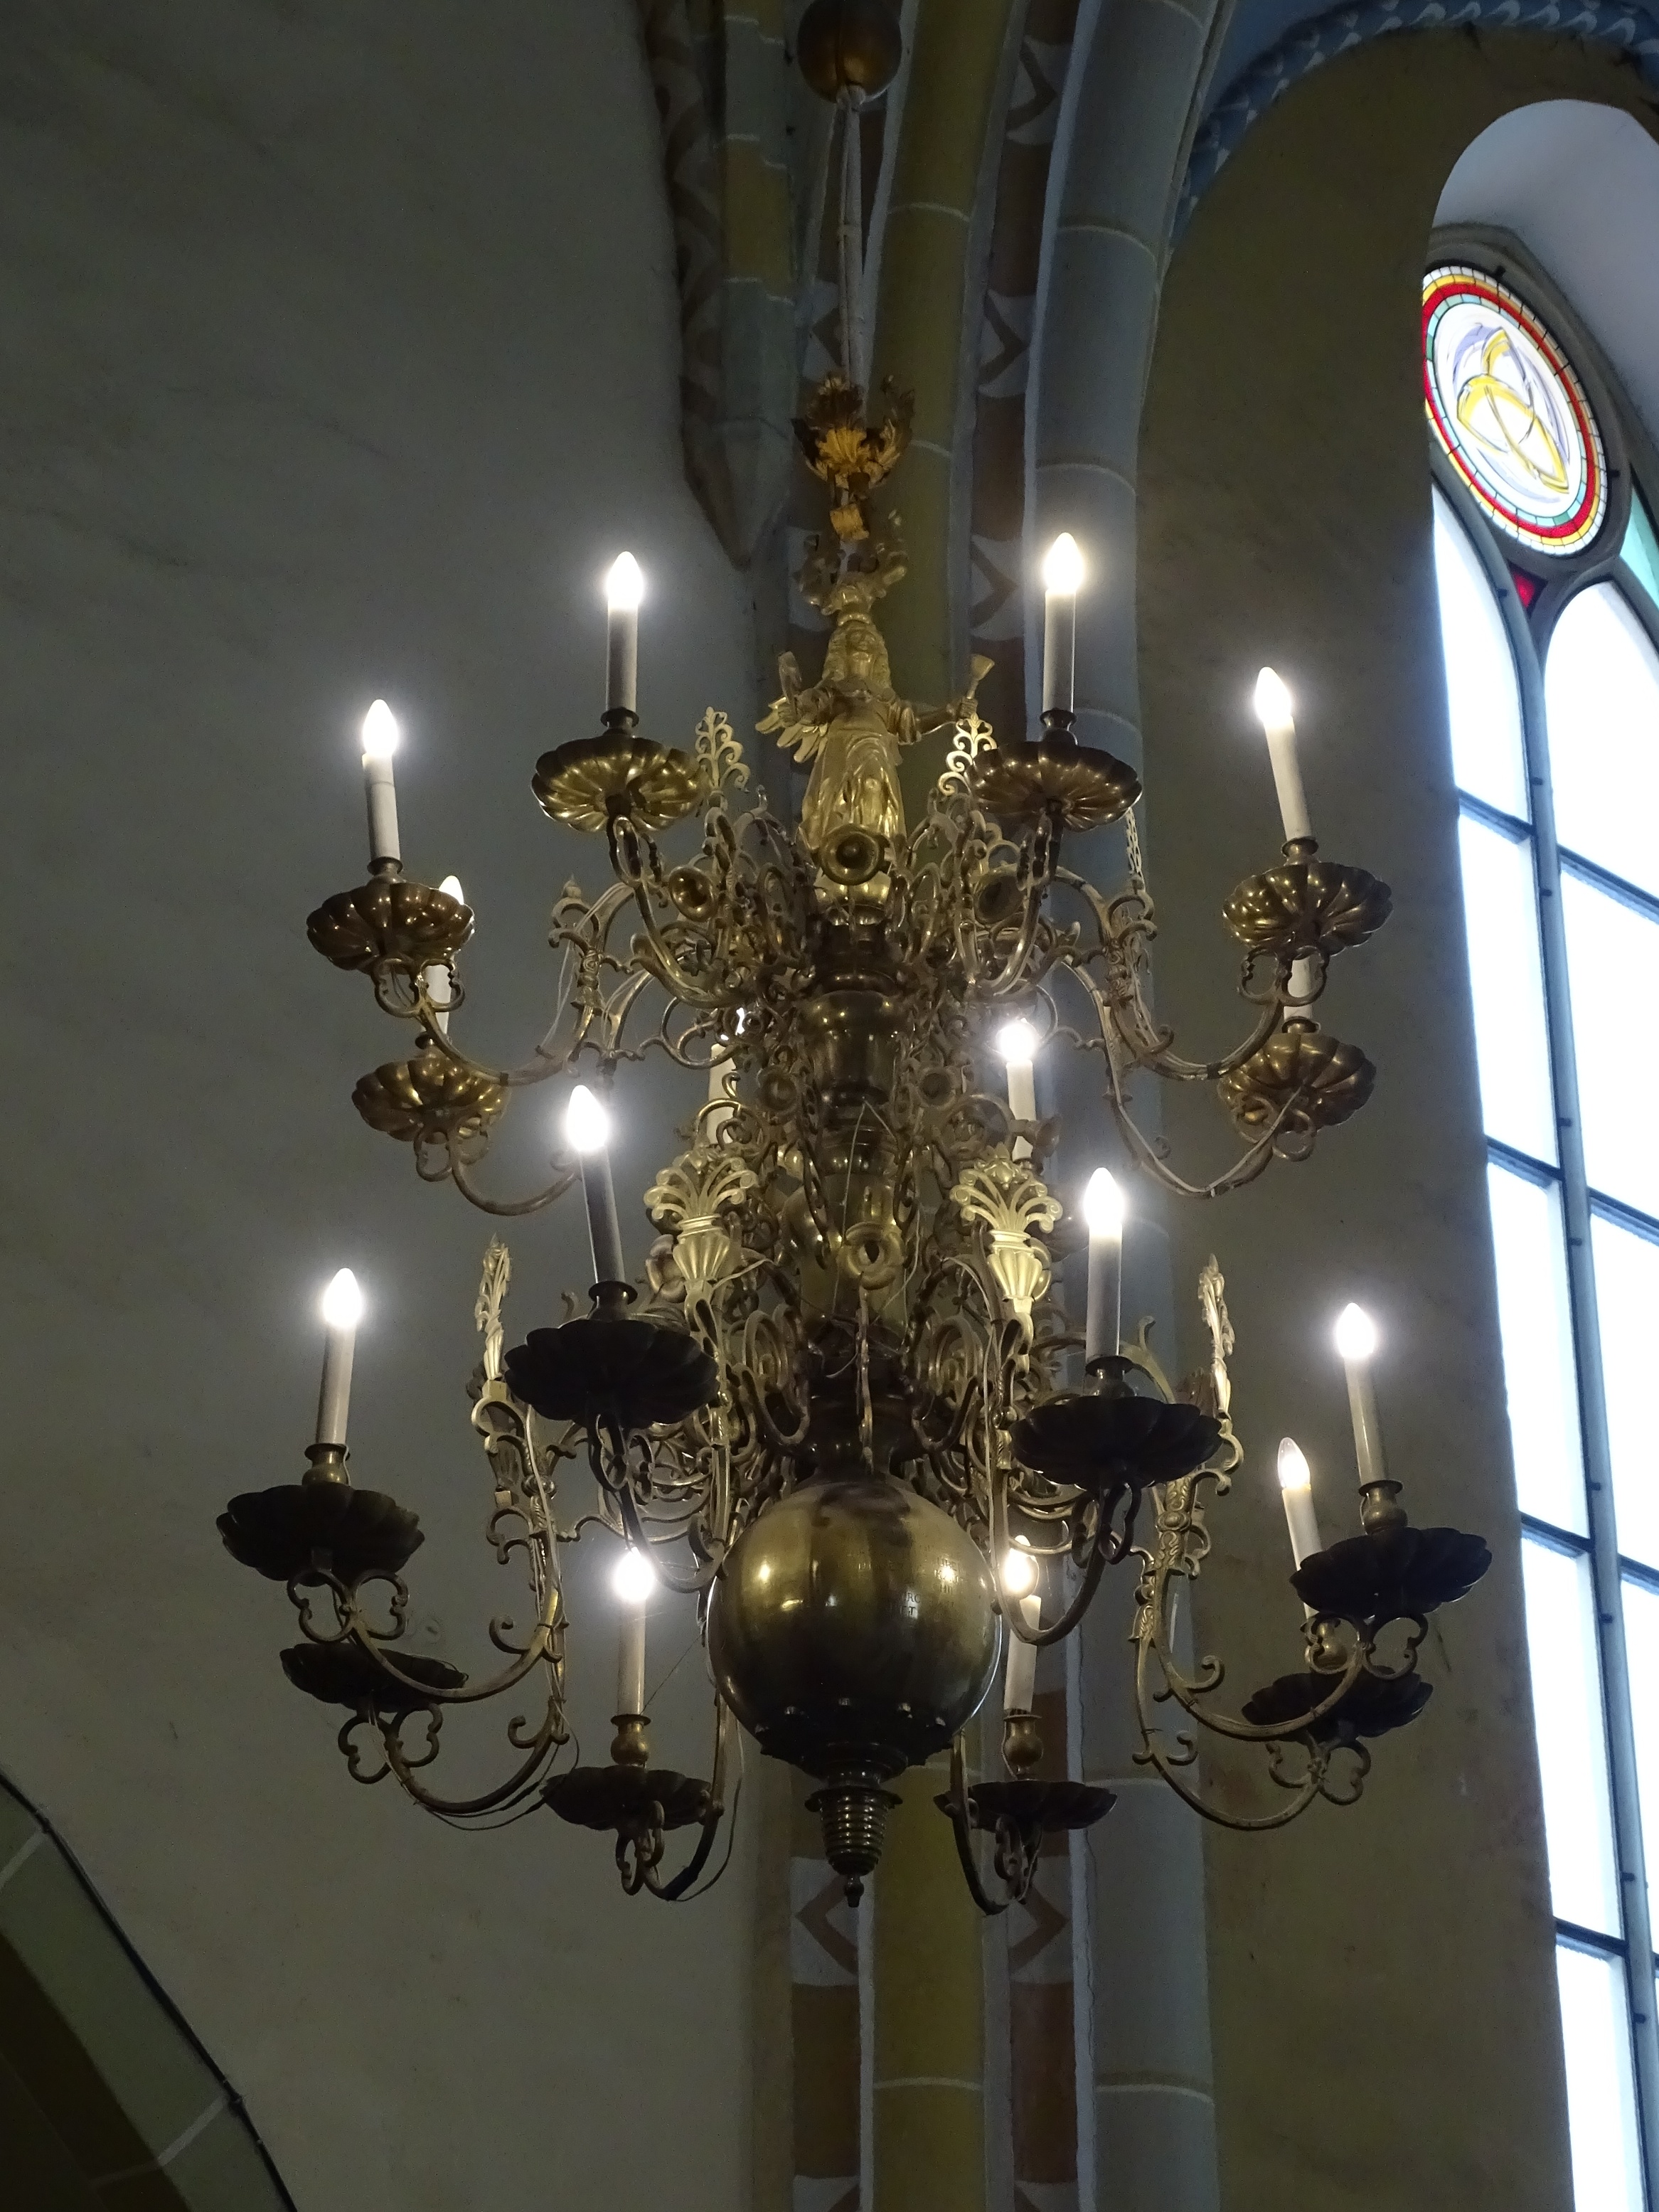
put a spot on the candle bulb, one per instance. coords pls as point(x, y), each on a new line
point(1273, 704)
point(1103, 1212)
point(342, 1309)
point(1062, 575)
point(438, 978)
point(587, 1131)
point(379, 740)
point(1017, 1042)
point(1019, 1574)
point(1356, 1339)
point(1296, 1487)
point(633, 1580)
point(625, 587)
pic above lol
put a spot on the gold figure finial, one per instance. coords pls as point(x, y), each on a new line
point(487, 1314)
point(1211, 1286)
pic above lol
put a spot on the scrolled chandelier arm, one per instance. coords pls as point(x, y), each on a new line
point(840, 1404)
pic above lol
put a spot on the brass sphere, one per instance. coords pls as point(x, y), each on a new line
point(854, 1627)
point(844, 44)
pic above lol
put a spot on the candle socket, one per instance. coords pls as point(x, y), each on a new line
point(1380, 1511)
point(1058, 725)
point(1021, 1743)
point(623, 719)
point(631, 1744)
point(1111, 1372)
point(328, 1464)
point(611, 1300)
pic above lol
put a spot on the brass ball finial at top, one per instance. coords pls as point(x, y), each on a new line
point(850, 45)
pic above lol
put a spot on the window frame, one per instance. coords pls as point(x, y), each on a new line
point(1631, 462)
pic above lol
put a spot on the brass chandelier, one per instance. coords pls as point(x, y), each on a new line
point(837, 1397)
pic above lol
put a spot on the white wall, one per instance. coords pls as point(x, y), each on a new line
point(336, 356)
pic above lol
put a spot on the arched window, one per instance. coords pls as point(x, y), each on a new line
point(1548, 577)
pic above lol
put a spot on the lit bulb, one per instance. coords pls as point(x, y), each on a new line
point(1017, 1041)
point(1019, 1572)
point(1294, 1472)
point(380, 732)
point(1356, 1333)
point(624, 585)
point(1102, 1203)
point(586, 1124)
point(343, 1301)
point(1273, 704)
point(451, 887)
point(1062, 568)
point(632, 1578)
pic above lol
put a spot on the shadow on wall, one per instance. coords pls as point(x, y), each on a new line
point(107, 2101)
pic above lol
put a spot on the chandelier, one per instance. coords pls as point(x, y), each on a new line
point(837, 1397)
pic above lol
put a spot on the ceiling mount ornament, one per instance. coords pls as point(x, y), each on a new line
point(839, 1399)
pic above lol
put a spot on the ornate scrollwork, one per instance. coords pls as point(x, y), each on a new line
point(846, 1321)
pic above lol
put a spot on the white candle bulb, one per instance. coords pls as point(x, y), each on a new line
point(632, 1579)
point(1272, 705)
point(586, 1124)
point(1062, 566)
point(437, 978)
point(380, 735)
point(1017, 1042)
point(342, 1309)
point(1295, 1487)
point(625, 587)
point(588, 1132)
point(1103, 1214)
point(1019, 1572)
point(1356, 1340)
point(1062, 574)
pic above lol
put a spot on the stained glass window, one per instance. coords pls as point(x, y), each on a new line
point(1510, 413)
point(1553, 714)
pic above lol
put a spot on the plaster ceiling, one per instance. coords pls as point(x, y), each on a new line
point(1578, 184)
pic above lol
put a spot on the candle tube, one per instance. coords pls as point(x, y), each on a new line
point(1296, 1487)
point(632, 1581)
point(1062, 574)
point(587, 1130)
point(1273, 704)
point(379, 740)
point(1017, 1042)
point(438, 977)
point(1356, 1339)
point(1301, 983)
point(1102, 1212)
point(625, 587)
point(1019, 1575)
point(342, 1309)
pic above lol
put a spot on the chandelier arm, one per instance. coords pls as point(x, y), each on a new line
point(960, 1816)
point(1251, 1163)
point(1102, 1554)
point(507, 1208)
point(1012, 977)
point(1308, 1792)
point(550, 1736)
point(540, 1647)
point(693, 1586)
point(673, 1891)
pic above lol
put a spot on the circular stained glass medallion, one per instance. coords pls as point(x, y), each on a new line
point(1511, 413)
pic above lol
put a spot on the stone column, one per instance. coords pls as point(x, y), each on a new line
point(929, 2086)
